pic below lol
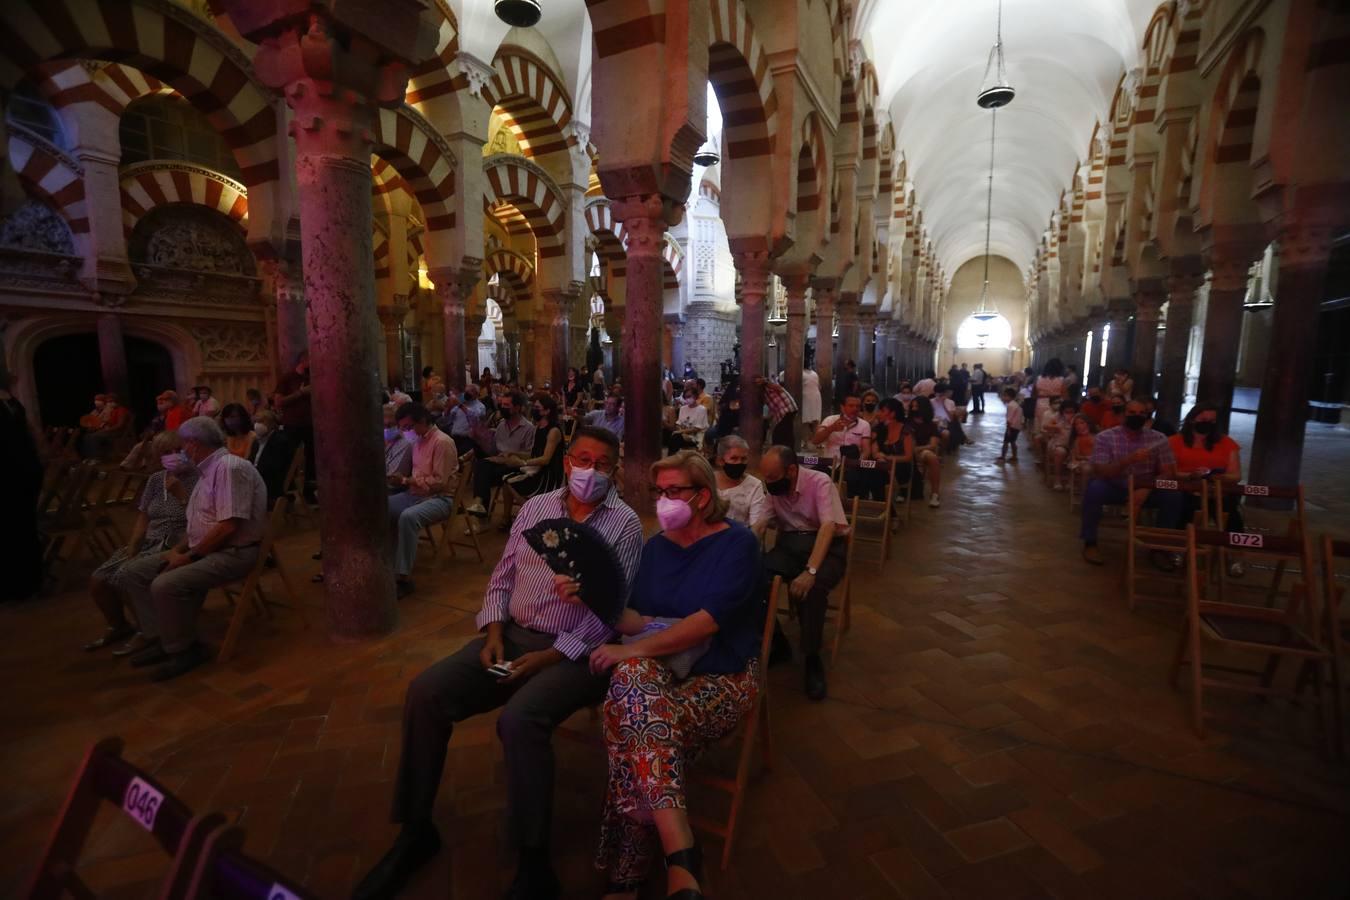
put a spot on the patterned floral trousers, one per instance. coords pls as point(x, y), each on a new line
point(654, 726)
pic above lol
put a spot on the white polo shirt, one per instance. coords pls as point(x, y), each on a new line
point(852, 436)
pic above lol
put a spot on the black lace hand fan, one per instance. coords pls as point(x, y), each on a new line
point(581, 553)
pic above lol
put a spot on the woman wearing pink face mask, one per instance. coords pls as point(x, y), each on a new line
point(696, 611)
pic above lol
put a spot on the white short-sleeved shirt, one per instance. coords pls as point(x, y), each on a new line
point(852, 436)
point(748, 500)
point(229, 488)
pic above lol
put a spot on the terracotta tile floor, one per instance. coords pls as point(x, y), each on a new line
point(998, 726)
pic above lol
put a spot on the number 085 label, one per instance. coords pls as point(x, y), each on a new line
point(142, 802)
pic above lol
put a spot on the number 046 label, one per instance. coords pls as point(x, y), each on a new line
point(142, 802)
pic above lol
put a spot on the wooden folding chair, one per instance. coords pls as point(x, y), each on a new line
point(1273, 633)
point(1296, 526)
point(462, 495)
point(106, 777)
point(756, 723)
point(878, 512)
point(129, 492)
point(1335, 629)
point(294, 483)
point(250, 594)
point(839, 610)
point(224, 872)
point(69, 521)
point(1154, 539)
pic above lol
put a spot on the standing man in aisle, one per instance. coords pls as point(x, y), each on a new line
point(292, 400)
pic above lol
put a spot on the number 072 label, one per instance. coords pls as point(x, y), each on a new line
point(142, 802)
point(1244, 539)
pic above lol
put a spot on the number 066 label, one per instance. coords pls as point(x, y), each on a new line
point(1244, 539)
point(142, 802)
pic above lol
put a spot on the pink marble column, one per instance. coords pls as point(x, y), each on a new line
point(824, 290)
point(796, 283)
point(288, 292)
point(559, 303)
point(335, 64)
point(1149, 295)
point(454, 287)
point(753, 266)
point(644, 218)
point(112, 356)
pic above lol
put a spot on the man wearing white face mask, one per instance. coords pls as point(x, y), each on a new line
point(546, 639)
point(271, 454)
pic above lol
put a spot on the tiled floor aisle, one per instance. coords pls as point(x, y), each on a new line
point(998, 726)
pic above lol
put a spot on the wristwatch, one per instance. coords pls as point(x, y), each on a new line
point(811, 570)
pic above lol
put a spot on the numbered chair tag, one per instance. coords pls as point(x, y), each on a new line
point(868, 463)
point(810, 460)
point(1163, 484)
point(1256, 490)
point(280, 893)
point(142, 802)
point(1244, 539)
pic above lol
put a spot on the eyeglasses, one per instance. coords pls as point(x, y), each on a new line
point(603, 466)
point(671, 493)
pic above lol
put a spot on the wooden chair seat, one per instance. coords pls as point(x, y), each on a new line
point(249, 594)
point(1154, 539)
point(446, 541)
point(1242, 630)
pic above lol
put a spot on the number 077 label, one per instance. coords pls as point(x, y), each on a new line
point(1244, 539)
point(142, 802)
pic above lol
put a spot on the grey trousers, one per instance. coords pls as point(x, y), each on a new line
point(167, 603)
point(408, 515)
point(458, 687)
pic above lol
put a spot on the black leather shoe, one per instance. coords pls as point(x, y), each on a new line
point(691, 860)
point(534, 882)
point(152, 655)
point(111, 636)
point(137, 644)
point(403, 588)
point(815, 677)
point(181, 663)
point(414, 848)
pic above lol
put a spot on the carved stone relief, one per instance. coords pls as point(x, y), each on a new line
point(36, 226)
point(180, 236)
point(225, 344)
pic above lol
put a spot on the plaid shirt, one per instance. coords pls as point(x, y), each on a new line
point(1115, 444)
point(780, 402)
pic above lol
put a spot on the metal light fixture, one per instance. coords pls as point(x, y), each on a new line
point(518, 13)
point(707, 155)
point(997, 92)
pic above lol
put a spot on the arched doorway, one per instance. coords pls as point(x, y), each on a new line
point(67, 374)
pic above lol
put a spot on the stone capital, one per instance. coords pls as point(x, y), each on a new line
point(753, 267)
point(477, 72)
point(645, 218)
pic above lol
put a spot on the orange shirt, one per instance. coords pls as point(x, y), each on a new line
point(1082, 446)
point(173, 418)
point(1194, 457)
point(1110, 419)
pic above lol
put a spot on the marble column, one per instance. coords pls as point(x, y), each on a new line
point(287, 284)
point(560, 302)
point(1304, 254)
point(1228, 266)
point(1149, 295)
point(825, 292)
point(1119, 346)
point(393, 346)
point(848, 333)
point(454, 289)
point(677, 356)
point(112, 357)
point(1181, 290)
point(796, 283)
point(867, 320)
point(333, 91)
point(645, 219)
point(473, 330)
point(753, 267)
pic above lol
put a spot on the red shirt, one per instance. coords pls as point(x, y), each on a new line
point(1194, 457)
point(1093, 412)
point(297, 411)
point(173, 418)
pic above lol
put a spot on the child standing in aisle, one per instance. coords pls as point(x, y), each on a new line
point(1016, 419)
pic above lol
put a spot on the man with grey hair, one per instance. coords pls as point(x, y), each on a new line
point(226, 520)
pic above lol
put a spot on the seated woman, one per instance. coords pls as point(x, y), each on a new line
point(159, 526)
point(238, 425)
point(870, 401)
point(747, 500)
point(1202, 450)
point(924, 431)
point(890, 441)
point(1080, 443)
point(702, 577)
point(543, 471)
point(690, 424)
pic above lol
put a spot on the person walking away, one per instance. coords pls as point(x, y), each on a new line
point(1013, 427)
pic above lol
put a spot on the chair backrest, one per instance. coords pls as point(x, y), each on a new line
point(770, 619)
point(295, 475)
point(1298, 522)
point(1333, 592)
point(106, 777)
point(465, 486)
point(1272, 547)
point(885, 466)
point(1196, 486)
point(276, 523)
point(225, 872)
point(75, 490)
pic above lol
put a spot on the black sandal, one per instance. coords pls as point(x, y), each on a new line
point(691, 860)
point(622, 887)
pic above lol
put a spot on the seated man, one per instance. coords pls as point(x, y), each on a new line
point(226, 520)
point(610, 418)
point(514, 438)
point(397, 451)
point(271, 454)
point(1129, 449)
point(547, 638)
point(462, 412)
point(811, 549)
point(429, 492)
point(847, 429)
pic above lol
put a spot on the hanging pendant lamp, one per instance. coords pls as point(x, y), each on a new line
point(991, 97)
point(995, 91)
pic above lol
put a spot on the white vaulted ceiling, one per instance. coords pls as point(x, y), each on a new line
point(1064, 57)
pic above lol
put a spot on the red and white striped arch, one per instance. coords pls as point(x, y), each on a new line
point(811, 177)
point(417, 151)
point(609, 236)
point(147, 185)
point(113, 86)
point(514, 273)
point(526, 187)
point(435, 77)
point(533, 100)
point(1235, 101)
point(674, 267)
point(51, 176)
point(164, 42)
point(738, 68)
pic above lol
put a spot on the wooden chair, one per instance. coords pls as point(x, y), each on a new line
point(1154, 539)
point(1296, 526)
point(250, 593)
point(106, 777)
point(878, 512)
point(1271, 633)
point(755, 724)
point(224, 872)
point(294, 483)
point(463, 494)
point(1336, 630)
point(839, 610)
point(68, 521)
